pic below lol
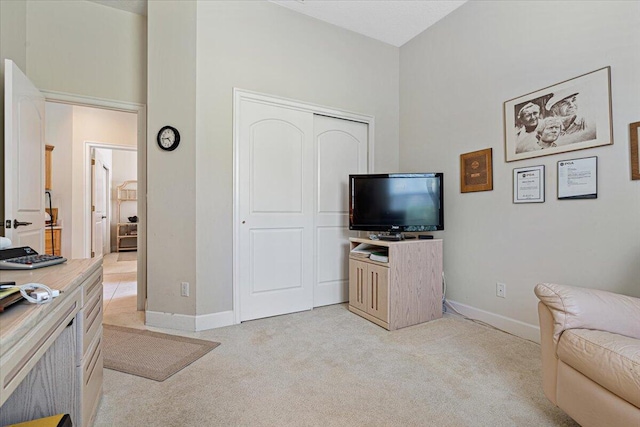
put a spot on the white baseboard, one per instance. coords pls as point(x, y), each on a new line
point(214, 320)
point(184, 322)
point(515, 327)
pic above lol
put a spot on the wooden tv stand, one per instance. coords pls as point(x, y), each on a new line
point(405, 291)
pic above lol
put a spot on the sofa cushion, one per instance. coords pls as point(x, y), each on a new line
point(611, 360)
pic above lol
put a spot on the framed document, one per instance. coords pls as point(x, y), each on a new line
point(476, 172)
point(578, 178)
point(528, 185)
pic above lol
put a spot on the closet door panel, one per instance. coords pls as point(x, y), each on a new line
point(341, 149)
point(275, 210)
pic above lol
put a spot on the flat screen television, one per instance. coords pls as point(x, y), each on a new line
point(397, 202)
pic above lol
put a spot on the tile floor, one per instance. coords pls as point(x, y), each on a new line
point(120, 292)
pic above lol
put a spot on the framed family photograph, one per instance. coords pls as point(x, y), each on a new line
point(476, 171)
point(571, 115)
point(528, 184)
point(634, 136)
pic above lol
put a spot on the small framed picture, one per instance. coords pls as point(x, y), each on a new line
point(476, 172)
point(578, 178)
point(528, 184)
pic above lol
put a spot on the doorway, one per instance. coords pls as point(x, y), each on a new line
point(76, 175)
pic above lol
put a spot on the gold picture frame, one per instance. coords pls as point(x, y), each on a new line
point(476, 171)
point(634, 136)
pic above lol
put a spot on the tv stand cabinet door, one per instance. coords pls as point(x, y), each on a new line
point(358, 284)
point(378, 291)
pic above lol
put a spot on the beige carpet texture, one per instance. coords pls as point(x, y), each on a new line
point(329, 367)
point(151, 355)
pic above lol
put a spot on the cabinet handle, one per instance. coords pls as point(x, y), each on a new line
point(372, 298)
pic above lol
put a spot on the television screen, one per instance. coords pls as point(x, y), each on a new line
point(396, 202)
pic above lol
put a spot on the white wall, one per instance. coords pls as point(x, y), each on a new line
point(59, 133)
point(251, 45)
point(171, 175)
point(266, 48)
point(454, 79)
point(85, 48)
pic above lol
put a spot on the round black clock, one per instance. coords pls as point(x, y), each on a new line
point(168, 138)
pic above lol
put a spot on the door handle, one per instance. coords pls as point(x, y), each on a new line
point(104, 216)
point(17, 223)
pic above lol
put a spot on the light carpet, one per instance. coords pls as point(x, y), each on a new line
point(149, 354)
point(329, 367)
point(127, 256)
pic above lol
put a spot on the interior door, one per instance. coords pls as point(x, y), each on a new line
point(105, 195)
point(23, 160)
point(98, 205)
point(275, 210)
point(341, 149)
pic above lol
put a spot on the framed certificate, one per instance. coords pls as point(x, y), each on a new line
point(578, 178)
point(528, 184)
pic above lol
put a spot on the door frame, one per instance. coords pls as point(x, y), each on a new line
point(240, 95)
point(141, 111)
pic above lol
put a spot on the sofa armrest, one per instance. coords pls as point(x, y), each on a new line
point(548, 353)
point(573, 307)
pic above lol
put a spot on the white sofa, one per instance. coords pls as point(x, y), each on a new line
point(590, 342)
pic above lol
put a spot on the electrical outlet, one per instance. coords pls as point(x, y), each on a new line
point(184, 289)
point(501, 290)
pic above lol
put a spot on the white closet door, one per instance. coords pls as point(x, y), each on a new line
point(341, 149)
point(275, 210)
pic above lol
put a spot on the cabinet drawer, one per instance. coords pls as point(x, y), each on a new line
point(91, 374)
point(18, 362)
point(89, 323)
point(92, 285)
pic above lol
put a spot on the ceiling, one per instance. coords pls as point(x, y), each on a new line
point(134, 6)
point(392, 21)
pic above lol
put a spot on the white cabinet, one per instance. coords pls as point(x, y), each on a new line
point(405, 291)
point(89, 359)
point(51, 358)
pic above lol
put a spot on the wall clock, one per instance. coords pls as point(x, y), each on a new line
point(168, 138)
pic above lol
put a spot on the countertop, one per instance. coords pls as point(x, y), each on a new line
point(22, 317)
